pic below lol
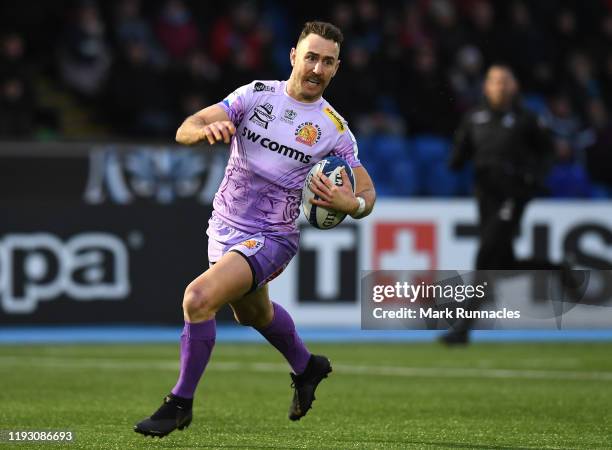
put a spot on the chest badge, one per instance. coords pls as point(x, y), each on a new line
point(308, 133)
point(508, 120)
point(288, 116)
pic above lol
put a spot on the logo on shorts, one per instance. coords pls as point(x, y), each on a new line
point(308, 133)
point(251, 244)
point(288, 116)
point(262, 115)
point(260, 87)
point(275, 274)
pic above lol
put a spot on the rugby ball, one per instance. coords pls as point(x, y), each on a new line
point(318, 216)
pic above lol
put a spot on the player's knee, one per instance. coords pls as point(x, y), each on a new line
point(198, 300)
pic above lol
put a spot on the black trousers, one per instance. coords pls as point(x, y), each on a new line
point(499, 222)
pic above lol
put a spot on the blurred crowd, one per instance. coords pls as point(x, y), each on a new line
point(410, 69)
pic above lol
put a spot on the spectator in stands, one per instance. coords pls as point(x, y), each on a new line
point(198, 80)
point(85, 56)
point(16, 109)
point(356, 81)
point(523, 45)
point(367, 25)
point(561, 119)
point(413, 33)
point(599, 150)
point(176, 30)
point(17, 101)
point(130, 25)
point(566, 37)
point(605, 78)
point(450, 34)
point(241, 46)
point(582, 83)
point(136, 102)
point(426, 99)
point(482, 31)
point(12, 56)
point(237, 34)
point(466, 78)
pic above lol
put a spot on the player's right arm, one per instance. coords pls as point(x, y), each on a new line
point(211, 124)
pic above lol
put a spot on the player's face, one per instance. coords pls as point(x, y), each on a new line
point(500, 87)
point(315, 62)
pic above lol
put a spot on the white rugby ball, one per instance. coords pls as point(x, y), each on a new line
point(319, 216)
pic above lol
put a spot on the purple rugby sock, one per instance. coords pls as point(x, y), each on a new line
point(282, 335)
point(197, 342)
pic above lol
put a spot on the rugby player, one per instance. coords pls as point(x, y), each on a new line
point(277, 130)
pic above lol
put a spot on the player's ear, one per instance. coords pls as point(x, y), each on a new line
point(292, 56)
point(336, 69)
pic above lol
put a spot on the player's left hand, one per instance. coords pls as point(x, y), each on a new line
point(339, 198)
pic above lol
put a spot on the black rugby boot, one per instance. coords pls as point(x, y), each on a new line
point(174, 413)
point(305, 385)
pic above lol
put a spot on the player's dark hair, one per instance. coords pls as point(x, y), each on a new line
point(324, 29)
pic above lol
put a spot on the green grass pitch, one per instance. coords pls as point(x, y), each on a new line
point(486, 396)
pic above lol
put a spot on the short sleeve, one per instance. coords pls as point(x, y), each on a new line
point(347, 149)
point(237, 103)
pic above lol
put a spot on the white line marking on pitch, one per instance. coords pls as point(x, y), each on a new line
point(348, 369)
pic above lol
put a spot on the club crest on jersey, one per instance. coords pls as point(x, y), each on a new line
point(262, 115)
point(288, 116)
point(308, 133)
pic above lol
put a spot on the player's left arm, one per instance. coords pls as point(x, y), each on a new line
point(364, 188)
point(357, 201)
point(342, 198)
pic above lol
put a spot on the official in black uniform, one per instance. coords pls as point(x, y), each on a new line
point(510, 150)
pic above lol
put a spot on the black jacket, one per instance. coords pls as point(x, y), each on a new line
point(510, 150)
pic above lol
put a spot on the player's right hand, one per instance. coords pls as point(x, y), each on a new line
point(218, 131)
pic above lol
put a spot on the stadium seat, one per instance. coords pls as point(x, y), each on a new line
point(568, 180)
point(601, 191)
point(429, 148)
point(440, 181)
point(389, 148)
point(465, 185)
point(405, 178)
point(535, 103)
point(387, 159)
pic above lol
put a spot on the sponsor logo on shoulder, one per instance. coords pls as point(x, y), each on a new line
point(262, 115)
point(335, 118)
point(288, 116)
point(261, 87)
point(308, 133)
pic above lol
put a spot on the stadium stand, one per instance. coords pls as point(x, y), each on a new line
point(410, 70)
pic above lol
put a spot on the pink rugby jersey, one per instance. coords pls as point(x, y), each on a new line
point(277, 141)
